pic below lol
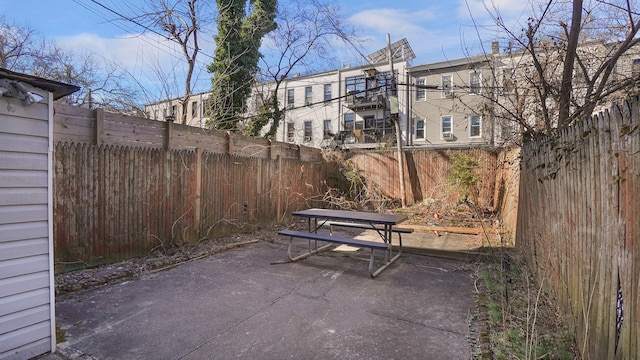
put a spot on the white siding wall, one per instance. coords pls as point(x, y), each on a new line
point(26, 311)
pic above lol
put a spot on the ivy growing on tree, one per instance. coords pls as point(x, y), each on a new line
point(241, 27)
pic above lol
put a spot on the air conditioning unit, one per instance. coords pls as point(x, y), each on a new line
point(290, 106)
point(307, 138)
point(448, 136)
point(290, 139)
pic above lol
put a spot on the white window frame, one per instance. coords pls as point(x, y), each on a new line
point(471, 126)
point(194, 109)
point(442, 119)
point(446, 92)
point(424, 129)
point(308, 95)
point(308, 130)
point(327, 92)
point(326, 127)
point(291, 97)
point(421, 92)
point(291, 131)
point(475, 90)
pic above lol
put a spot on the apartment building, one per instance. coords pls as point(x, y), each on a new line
point(448, 103)
point(353, 103)
point(172, 110)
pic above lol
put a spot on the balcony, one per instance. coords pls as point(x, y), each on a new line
point(360, 103)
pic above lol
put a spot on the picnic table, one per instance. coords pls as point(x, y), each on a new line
point(383, 224)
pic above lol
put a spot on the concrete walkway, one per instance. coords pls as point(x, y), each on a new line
point(238, 304)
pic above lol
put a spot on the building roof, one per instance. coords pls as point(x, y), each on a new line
point(58, 89)
point(450, 63)
point(400, 50)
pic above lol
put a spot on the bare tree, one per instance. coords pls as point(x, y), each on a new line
point(23, 50)
point(306, 33)
point(181, 21)
point(555, 71)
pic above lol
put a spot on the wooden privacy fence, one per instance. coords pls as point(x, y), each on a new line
point(426, 173)
point(578, 224)
point(115, 202)
point(98, 127)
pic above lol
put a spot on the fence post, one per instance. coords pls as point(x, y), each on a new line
point(279, 206)
point(99, 126)
point(198, 194)
point(169, 140)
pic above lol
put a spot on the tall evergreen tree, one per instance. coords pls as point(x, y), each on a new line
point(241, 26)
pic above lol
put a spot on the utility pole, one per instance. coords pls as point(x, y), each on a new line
point(393, 114)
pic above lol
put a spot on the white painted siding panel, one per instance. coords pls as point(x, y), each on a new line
point(22, 319)
point(21, 337)
point(24, 265)
point(23, 161)
point(23, 213)
point(27, 351)
point(23, 283)
point(22, 178)
point(23, 301)
point(22, 143)
point(26, 308)
point(18, 196)
point(15, 108)
point(17, 125)
point(23, 231)
point(24, 248)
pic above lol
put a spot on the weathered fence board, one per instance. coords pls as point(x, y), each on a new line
point(426, 173)
point(578, 224)
point(99, 127)
point(114, 202)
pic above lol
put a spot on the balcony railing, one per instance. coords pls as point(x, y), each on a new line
point(359, 103)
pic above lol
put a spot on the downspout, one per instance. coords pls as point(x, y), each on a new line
point(52, 289)
point(340, 114)
point(408, 109)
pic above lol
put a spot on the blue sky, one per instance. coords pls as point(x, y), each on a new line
point(436, 30)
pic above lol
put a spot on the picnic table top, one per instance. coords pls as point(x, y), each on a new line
point(348, 215)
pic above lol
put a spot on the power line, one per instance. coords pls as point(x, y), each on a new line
point(145, 27)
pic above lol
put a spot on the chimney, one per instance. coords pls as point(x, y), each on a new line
point(495, 47)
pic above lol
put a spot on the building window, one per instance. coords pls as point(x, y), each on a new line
point(420, 129)
point(155, 114)
point(290, 98)
point(327, 92)
point(421, 92)
point(447, 86)
point(475, 126)
point(475, 84)
point(355, 85)
point(446, 125)
point(635, 68)
point(307, 131)
point(326, 128)
point(290, 132)
point(174, 111)
point(349, 119)
point(194, 109)
point(308, 95)
point(508, 80)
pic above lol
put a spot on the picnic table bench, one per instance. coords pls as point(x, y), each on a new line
point(383, 224)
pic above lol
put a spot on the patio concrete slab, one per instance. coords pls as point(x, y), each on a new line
point(248, 303)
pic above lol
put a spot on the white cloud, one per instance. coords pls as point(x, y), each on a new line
point(143, 56)
point(511, 12)
point(433, 33)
